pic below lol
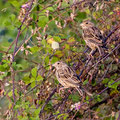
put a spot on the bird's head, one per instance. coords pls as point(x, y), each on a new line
point(86, 24)
point(59, 64)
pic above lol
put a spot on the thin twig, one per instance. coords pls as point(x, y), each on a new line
point(91, 98)
point(100, 92)
point(117, 47)
point(19, 29)
point(16, 42)
point(46, 102)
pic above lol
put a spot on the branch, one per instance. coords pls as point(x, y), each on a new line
point(117, 47)
point(16, 42)
point(19, 29)
point(100, 92)
point(58, 105)
point(104, 40)
point(46, 102)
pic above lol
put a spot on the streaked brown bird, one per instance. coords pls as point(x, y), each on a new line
point(68, 78)
point(92, 36)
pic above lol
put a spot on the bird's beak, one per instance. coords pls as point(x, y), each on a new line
point(53, 66)
point(81, 24)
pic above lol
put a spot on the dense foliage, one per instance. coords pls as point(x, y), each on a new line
point(37, 33)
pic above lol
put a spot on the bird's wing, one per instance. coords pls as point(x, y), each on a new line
point(62, 73)
point(93, 35)
point(69, 75)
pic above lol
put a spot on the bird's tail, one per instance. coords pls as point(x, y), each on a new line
point(81, 90)
point(101, 50)
point(88, 93)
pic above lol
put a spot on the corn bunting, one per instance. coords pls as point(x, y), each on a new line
point(68, 78)
point(92, 36)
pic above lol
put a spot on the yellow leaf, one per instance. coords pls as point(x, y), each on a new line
point(71, 40)
point(59, 53)
point(50, 40)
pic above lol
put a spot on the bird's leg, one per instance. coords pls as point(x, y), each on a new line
point(70, 91)
point(62, 88)
point(80, 91)
point(101, 51)
point(90, 56)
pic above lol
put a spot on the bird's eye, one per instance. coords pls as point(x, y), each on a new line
point(58, 63)
point(87, 23)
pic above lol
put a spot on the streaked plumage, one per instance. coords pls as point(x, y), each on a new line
point(92, 36)
point(67, 77)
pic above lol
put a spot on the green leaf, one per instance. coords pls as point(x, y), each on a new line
point(43, 42)
point(50, 9)
point(56, 38)
point(2, 69)
point(33, 84)
point(36, 112)
point(14, 65)
point(10, 94)
point(15, 3)
point(102, 66)
point(42, 21)
point(59, 53)
point(7, 22)
point(97, 98)
point(71, 40)
point(12, 17)
point(87, 11)
point(87, 98)
point(67, 47)
point(85, 82)
point(17, 106)
point(114, 86)
point(19, 66)
point(114, 91)
point(113, 76)
point(62, 116)
point(106, 80)
point(75, 97)
point(26, 79)
point(54, 59)
point(34, 72)
point(39, 78)
point(34, 49)
point(6, 61)
point(81, 15)
point(111, 13)
point(32, 79)
point(46, 60)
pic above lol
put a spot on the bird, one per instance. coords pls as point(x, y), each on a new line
point(92, 36)
point(68, 78)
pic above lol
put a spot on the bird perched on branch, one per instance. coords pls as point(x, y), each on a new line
point(92, 36)
point(68, 78)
